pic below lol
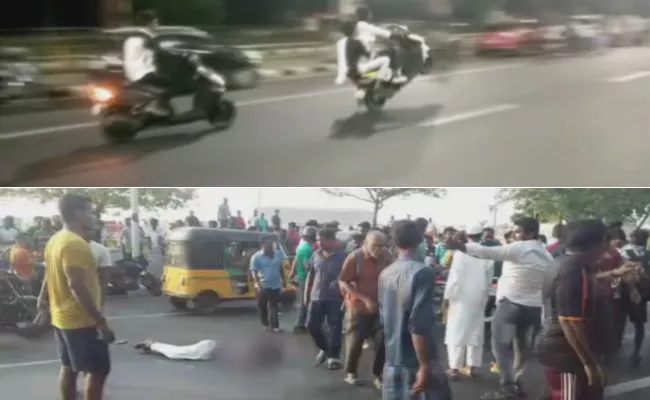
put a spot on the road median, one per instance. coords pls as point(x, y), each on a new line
point(66, 77)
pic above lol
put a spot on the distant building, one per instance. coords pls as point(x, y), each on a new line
point(302, 215)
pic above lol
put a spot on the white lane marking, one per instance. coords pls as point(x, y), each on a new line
point(630, 77)
point(450, 119)
point(156, 315)
point(627, 387)
point(29, 364)
point(266, 100)
point(113, 318)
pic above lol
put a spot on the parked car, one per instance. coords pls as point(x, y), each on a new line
point(19, 77)
point(628, 30)
point(509, 38)
point(240, 68)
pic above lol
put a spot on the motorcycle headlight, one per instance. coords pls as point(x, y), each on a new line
point(100, 94)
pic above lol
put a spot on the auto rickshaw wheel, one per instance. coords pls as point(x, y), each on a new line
point(207, 301)
point(178, 303)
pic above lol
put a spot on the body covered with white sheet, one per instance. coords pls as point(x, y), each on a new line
point(467, 292)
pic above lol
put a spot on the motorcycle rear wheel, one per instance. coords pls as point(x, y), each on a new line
point(373, 102)
point(223, 114)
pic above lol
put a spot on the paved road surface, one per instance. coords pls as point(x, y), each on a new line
point(28, 370)
point(566, 122)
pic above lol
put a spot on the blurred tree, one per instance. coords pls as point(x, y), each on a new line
point(185, 12)
point(570, 204)
point(378, 196)
point(110, 198)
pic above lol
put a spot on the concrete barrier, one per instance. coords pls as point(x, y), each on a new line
point(262, 52)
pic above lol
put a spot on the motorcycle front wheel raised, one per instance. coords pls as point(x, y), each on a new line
point(119, 129)
point(222, 114)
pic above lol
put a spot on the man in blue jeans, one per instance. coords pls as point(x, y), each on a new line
point(299, 270)
point(323, 296)
point(266, 268)
point(412, 369)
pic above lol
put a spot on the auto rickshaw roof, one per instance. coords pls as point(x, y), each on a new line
point(225, 235)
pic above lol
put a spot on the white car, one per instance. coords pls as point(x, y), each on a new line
point(628, 30)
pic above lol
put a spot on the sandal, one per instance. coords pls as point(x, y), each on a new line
point(469, 372)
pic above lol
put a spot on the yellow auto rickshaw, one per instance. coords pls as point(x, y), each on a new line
point(206, 266)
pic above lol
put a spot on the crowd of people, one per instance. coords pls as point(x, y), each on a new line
point(377, 289)
point(560, 298)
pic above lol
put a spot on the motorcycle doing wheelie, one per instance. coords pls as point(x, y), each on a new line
point(413, 62)
point(123, 111)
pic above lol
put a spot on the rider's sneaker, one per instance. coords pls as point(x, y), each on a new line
point(156, 109)
point(399, 79)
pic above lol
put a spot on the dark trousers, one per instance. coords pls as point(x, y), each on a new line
point(318, 312)
point(514, 330)
point(156, 84)
point(267, 303)
point(301, 318)
point(359, 328)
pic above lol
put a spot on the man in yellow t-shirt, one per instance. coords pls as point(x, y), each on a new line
point(74, 292)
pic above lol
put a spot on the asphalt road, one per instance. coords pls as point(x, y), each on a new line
point(28, 369)
point(512, 122)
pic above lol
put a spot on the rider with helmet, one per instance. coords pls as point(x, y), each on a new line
point(355, 50)
point(138, 52)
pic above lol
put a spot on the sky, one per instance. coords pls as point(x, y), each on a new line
point(461, 206)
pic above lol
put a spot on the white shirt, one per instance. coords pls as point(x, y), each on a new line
point(138, 59)
point(367, 34)
point(157, 238)
point(8, 235)
point(101, 254)
point(524, 265)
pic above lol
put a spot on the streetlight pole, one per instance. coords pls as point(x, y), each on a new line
point(494, 208)
point(135, 228)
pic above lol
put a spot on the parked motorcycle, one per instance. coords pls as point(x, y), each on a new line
point(123, 109)
point(128, 275)
point(18, 308)
point(440, 59)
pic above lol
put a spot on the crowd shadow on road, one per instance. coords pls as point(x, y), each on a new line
point(362, 124)
point(101, 157)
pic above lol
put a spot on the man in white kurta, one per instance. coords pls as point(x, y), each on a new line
point(466, 294)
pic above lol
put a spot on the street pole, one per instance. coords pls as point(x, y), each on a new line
point(494, 209)
point(135, 228)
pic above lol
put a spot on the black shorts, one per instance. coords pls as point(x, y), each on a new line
point(83, 350)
